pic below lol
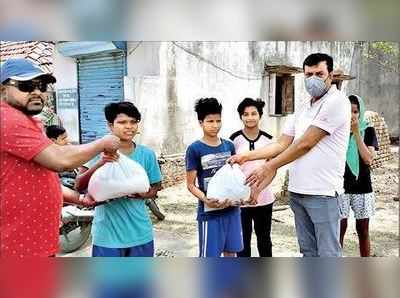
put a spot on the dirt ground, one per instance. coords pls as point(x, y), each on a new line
point(178, 232)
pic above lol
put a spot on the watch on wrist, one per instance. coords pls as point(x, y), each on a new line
point(81, 197)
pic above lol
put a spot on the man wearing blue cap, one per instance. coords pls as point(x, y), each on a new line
point(31, 196)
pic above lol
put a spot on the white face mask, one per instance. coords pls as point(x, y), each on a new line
point(315, 86)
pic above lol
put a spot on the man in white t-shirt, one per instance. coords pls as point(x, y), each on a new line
point(314, 141)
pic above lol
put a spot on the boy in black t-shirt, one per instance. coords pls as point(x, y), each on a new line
point(357, 178)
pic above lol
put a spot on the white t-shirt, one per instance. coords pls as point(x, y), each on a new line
point(321, 170)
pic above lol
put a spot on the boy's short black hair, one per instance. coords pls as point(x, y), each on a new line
point(207, 106)
point(249, 102)
point(354, 100)
point(112, 110)
point(54, 131)
point(316, 58)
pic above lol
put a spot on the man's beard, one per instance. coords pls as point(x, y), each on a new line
point(31, 112)
point(26, 111)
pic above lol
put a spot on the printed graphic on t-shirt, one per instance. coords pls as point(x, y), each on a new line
point(211, 163)
point(214, 160)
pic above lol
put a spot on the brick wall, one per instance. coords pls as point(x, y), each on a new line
point(172, 169)
point(382, 133)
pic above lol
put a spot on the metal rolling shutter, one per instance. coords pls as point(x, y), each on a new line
point(100, 79)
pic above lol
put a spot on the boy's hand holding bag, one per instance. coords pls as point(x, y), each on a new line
point(228, 183)
point(117, 179)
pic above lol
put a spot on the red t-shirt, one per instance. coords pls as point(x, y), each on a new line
point(31, 196)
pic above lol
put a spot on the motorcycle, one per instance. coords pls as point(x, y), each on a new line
point(76, 221)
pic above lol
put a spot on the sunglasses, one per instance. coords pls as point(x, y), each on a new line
point(29, 86)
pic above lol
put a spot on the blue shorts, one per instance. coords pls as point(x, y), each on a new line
point(145, 250)
point(220, 234)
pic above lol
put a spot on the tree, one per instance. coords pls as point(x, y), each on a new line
point(383, 53)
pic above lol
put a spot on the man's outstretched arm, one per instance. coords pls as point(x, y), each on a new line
point(265, 152)
point(265, 173)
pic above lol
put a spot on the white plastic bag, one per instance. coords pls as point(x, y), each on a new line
point(118, 179)
point(228, 183)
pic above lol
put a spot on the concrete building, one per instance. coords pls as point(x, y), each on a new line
point(164, 79)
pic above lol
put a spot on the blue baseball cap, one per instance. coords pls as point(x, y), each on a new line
point(21, 69)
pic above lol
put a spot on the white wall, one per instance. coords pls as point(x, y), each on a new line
point(169, 124)
point(166, 97)
point(142, 86)
point(65, 70)
point(152, 104)
point(143, 59)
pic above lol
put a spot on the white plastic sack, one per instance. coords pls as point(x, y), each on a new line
point(228, 183)
point(118, 179)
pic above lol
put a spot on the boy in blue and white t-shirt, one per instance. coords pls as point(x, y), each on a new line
point(219, 230)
